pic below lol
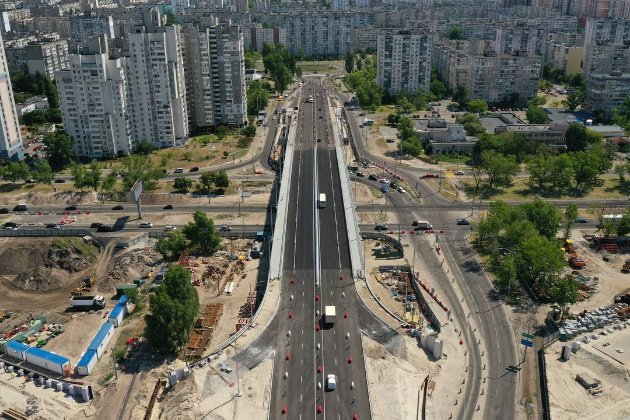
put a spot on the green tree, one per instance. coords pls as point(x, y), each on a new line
point(182, 184)
point(136, 167)
point(623, 228)
point(93, 176)
point(50, 90)
point(471, 124)
point(280, 64)
point(249, 131)
point(536, 115)
point(562, 171)
point(461, 96)
point(544, 216)
point(172, 246)
point(42, 173)
point(438, 89)
point(207, 180)
point(477, 106)
point(621, 114)
point(537, 101)
point(419, 100)
point(578, 137)
point(257, 96)
point(202, 233)
point(588, 165)
point(499, 169)
point(16, 171)
point(570, 214)
point(144, 147)
point(108, 184)
point(59, 149)
point(564, 293)
point(221, 180)
point(457, 33)
point(404, 105)
point(540, 168)
point(349, 62)
point(78, 175)
point(173, 309)
point(538, 261)
point(393, 119)
point(251, 58)
point(575, 98)
point(406, 129)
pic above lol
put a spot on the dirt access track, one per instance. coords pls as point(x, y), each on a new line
point(26, 254)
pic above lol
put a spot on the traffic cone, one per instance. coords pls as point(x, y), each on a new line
point(340, 277)
point(345, 314)
point(290, 314)
point(289, 356)
point(292, 281)
point(317, 298)
point(319, 369)
point(355, 417)
point(317, 327)
point(284, 410)
point(320, 409)
point(461, 341)
point(349, 359)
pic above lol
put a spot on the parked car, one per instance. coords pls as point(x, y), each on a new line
point(71, 208)
point(460, 172)
point(4, 210)
point(10, 225)
point(360, 174)
point(118, 207)
point(60, 181)
point(53, 226)
point(225, 228)
point(194, 169)
point(362, 114)
point(30, 181)
point(463, 221)
point(393, 184)
point(431, 175)
point(401, 190)
point(145, 225)
point(169, 228)
point(168, 207)
point(381, 227)
point(384, 188)
point(104, 228)
point(373, 177)
point(390, 140)
point(384, 181)
point(178, 171)
point(96, 225)
point(580, 220)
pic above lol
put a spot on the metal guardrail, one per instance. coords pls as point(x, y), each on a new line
point(44, 233)
point(544, 390)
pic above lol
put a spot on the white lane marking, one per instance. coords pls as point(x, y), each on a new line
point(301, 379)
point(335, 361)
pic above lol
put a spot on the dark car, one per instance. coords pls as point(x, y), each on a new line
point(53, 226)
point(4, 210)
point(463, 222)
point(320, 109)
point(380, 227)
point(373, 177)
point(96, 225)
point(168, 207)
point(393, 184)
point(71, 208)
point(60, 181)
point(104, 228)
point(194, 169)
point(321, 117)
point(580, 220)
point(10, 225)
point(30, 181)
point(118, 207)
point(360, 174)
point(319, 140)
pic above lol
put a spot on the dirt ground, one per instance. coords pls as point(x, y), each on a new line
point(611, 280)
point(569, 400)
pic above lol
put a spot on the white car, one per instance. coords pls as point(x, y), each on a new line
point(331, 382)
point(384, 181)
point(402, 190)
point(459, 172)
point(168, 228)
point(145, 225)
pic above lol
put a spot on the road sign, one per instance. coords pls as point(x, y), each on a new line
point(527, 343)
point(526, 335)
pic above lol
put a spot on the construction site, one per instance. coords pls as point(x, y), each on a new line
point(65, 320)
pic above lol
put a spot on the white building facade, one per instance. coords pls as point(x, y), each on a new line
point(11, 148)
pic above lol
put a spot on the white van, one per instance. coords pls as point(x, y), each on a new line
point(422, 225)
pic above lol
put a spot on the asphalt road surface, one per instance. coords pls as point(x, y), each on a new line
point(316, 274)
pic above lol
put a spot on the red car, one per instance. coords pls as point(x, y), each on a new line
point(431, 175)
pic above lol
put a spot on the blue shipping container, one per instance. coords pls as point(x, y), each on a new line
point(16, 349)
point(87, 362)
point(101, 339)
point(48, 360)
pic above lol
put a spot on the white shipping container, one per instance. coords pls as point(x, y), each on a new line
point(430, 343)
point(102, 338)
point(87, 363)
point(438, 348)
point(45, 361)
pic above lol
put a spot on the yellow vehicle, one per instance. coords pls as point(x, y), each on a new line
point(280, 98)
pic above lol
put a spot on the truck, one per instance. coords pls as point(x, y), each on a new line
point(321, 201)
point(329, 314)
point(87, 302)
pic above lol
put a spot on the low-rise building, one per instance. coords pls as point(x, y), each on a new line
point(444, 137)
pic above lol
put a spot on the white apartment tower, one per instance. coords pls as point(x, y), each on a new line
point(93, 98)
point(404, 60)
point(10, 136)
point(155, 71)
point(214, 58)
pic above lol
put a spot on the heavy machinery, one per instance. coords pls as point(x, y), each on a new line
point(626, 267)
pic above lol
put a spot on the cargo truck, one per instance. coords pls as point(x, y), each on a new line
point(329, 315)
point(87, 302)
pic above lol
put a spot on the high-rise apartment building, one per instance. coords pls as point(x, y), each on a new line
point(155, 72)
point(40, 57)
point(10, 136)
point(495, 78)
point(214, 59)
point(93, 95)
point(404, 61)
point(606, 63)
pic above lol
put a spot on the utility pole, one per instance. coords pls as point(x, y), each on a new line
point(238, 379)
point(114, 361)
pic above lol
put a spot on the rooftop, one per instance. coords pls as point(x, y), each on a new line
point(100, 335)
point(87, 356)
point(51, 357)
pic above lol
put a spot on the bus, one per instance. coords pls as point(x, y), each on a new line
point(321, 203)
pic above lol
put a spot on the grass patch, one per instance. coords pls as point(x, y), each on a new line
point(106, 379)
point(381, 142)
point(89, 251)
point(320, 66)
point(448, 190)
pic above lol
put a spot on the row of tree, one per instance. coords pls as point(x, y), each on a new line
point(281, 65)
point(200, 235)
point(213, 180)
